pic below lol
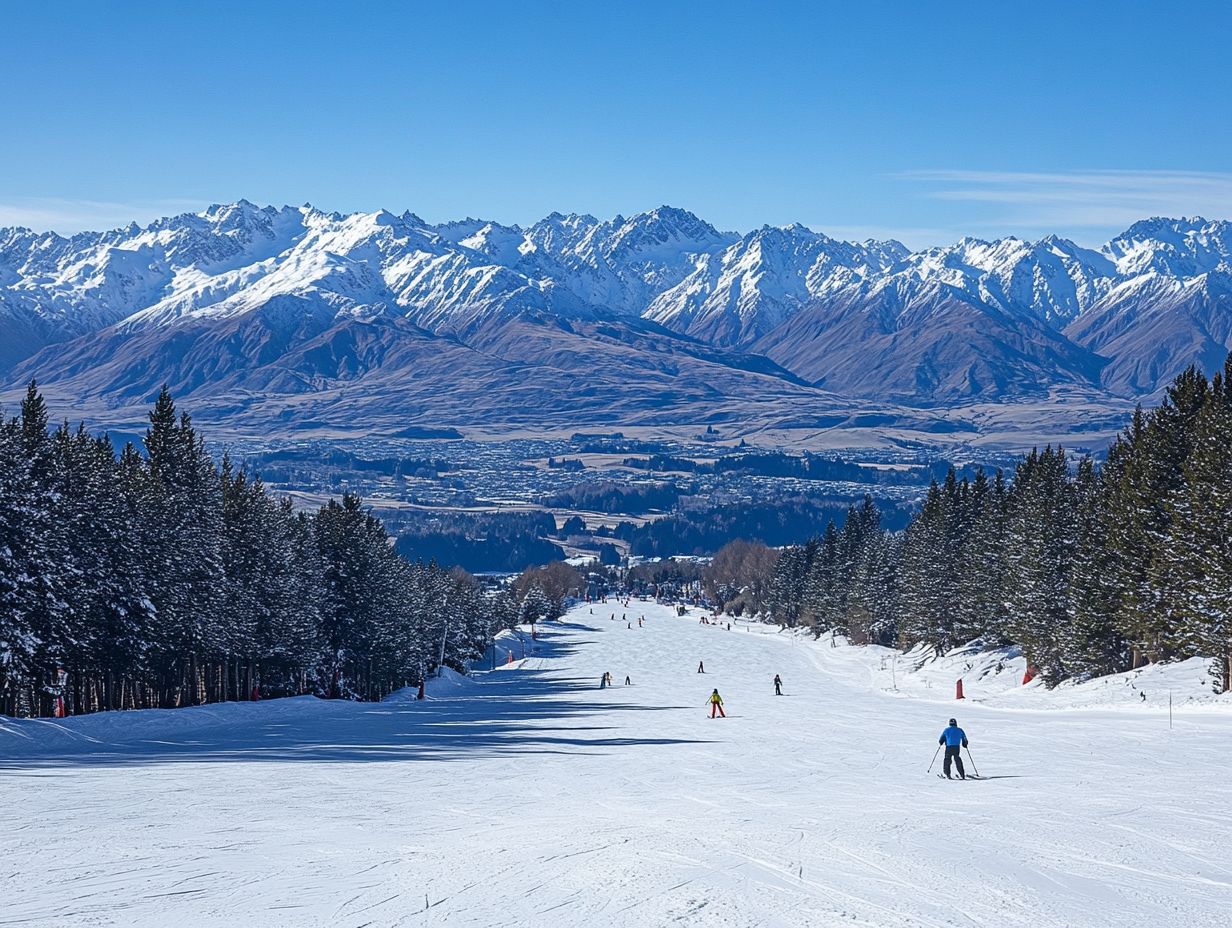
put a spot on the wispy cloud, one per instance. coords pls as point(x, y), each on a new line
point(67, 216)
point(1058, 201)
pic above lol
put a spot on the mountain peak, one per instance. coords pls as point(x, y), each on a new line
point(1185, 247)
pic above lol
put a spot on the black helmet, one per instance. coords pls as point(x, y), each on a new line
point(953, 721)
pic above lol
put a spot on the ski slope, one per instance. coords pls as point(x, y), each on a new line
point(530, 797)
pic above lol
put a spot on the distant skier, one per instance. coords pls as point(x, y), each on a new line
point(628, 682)
point(778, 685)
point(603, 681)
point(716, 704)
point(700, 667)
point(954, 739)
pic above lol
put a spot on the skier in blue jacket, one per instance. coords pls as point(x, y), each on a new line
point(954, 739)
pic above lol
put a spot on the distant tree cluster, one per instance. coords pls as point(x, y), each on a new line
point(491, 554)
point(802, 467)
point(739, 577)
point(543, 592)
point(676, 578)
point(610, 496)
point(1091, 570)
point(162, 579)
point(480, 542)
point(307, 463)
point(704, 529)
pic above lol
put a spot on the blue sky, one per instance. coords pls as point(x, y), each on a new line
point(923, 121)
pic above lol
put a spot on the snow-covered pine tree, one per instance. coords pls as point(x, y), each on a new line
point(21, 516)
point(923, 591)
point(1143, 474)
point(787, 586)
point(1197, 556)
point(977, 604)
point(536, 606)
point(821, 608)
point(296, 642)
point(862, 544)
point(182, 519)
point(1040, 542)
point(47, 559)
point(1089, 641)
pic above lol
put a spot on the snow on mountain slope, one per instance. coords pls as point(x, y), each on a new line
point(620, 263)
point(1053, 279)
point(530, 797)
point(973, 321)
point(1012, 317)
point(754, 285)
point(924, 341)
point(76, 286)
point(757, 284)
point(1152, 327)
point(1178, 248)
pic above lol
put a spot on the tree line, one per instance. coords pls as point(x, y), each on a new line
point(1090, 569)
point(160, 578)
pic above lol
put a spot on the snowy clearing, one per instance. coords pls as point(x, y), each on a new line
point(528, 796)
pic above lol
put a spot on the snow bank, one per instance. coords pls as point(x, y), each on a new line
point(135, 728)
point(993, 676)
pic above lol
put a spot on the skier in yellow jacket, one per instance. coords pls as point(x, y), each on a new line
point(716, 704)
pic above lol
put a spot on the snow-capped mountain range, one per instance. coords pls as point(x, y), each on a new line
point(244, 303)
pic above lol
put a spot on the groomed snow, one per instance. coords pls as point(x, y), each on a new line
point(528, 796)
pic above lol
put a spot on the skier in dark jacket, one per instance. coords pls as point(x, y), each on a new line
point(954, 739)
point(778, 685)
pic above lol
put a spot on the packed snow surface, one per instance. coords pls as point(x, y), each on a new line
point(529, 796)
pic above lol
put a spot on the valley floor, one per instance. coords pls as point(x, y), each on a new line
point(530, 797)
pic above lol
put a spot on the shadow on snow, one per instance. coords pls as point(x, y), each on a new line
point(496, 713)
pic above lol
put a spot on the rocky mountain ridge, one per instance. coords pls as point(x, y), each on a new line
point(292, 301)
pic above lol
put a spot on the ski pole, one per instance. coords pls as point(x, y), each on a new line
point(972, 759)
point(934, 760)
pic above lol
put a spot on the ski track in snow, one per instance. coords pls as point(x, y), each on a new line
point(530, 797)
